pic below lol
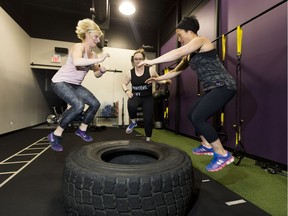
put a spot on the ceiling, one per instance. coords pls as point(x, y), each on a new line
point(49, 18)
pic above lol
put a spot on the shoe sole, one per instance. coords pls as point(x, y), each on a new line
point(231, 160)
point(56, 149)
point(209, 154)
point(131, 130)
point(83, 138)
point(128, 132)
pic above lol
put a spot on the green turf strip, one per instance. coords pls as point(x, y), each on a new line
point(267, 191)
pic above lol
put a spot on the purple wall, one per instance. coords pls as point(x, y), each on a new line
point(264, 75)
point(188, 79)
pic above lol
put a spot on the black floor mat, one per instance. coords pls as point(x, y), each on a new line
point(37, 189)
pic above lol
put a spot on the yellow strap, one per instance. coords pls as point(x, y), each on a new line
point(223, 47)
point(239, 40)
point(166, 113)
point(222, 119)
point(237, 138)
point(166, 70)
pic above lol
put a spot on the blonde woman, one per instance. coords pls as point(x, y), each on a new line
point(66, 83)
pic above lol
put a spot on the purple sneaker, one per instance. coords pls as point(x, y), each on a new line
point(83, 135)
point(55, 142)
point(203, 150)
point(219, 162)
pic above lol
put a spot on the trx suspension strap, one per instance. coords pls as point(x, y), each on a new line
point(166, 104)
point(223, 47)
point(239, 154)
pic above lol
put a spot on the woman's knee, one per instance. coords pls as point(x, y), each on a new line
point(191, 117)
point(131, 106)
point(78, 106)
point(95, 104)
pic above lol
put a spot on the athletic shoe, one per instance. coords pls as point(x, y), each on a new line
point(130, 128)
point(55, 142)
point(203, 150)
point(219, 162)
point(83, 135)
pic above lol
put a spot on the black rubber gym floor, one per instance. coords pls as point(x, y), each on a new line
point(36, 190)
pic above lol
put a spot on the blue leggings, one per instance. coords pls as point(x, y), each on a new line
point(76, 96)
point(206, 106)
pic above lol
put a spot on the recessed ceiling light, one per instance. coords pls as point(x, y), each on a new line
point(127, 8)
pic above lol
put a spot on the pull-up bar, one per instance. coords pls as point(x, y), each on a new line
point(58, 67)
point(253, 18)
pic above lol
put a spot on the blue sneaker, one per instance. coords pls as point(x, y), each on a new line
point(55, 142)
point(83, 135)
point(203, 150)
point(130, 128)
point(219, 162)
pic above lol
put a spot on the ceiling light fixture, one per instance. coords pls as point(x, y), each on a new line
point(127, 8)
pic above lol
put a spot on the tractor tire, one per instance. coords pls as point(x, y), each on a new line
point(128, 177)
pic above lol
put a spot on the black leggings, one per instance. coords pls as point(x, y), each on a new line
point(204, 107)
point(147, 104)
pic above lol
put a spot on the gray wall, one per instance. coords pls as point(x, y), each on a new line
point(22, 102)
point(264, 75)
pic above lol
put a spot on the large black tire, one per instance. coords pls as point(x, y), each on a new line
point(128, 178)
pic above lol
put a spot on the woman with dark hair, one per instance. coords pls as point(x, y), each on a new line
point(219, 87)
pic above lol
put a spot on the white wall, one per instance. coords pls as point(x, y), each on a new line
point(22, 103)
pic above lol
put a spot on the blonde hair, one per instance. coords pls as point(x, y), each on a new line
point(86, 26)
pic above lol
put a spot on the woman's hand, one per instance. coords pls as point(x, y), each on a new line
point(129, 94)
point(167, 82)
point(102, 70)
point(151, 80)
point(146, 63)
point(99, 70)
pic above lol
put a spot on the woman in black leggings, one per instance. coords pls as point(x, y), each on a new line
point(219, 87)
point(202, 109)
point(141, 93)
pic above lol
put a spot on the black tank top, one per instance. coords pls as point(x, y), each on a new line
point(139, 87)
point(211, 71)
